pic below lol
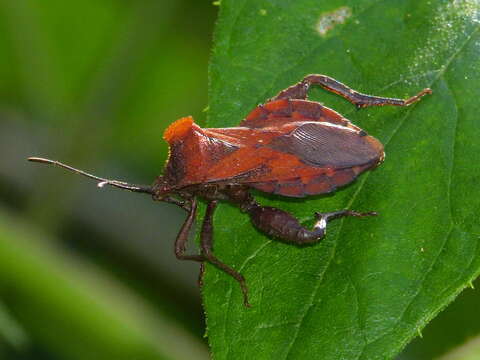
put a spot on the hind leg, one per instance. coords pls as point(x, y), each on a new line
point(300, 91)
point(284, 226)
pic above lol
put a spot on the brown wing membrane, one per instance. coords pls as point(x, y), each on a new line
point(324, 145)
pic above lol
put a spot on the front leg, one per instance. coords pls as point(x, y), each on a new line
point(206, 244)
point(182, 237)
point(282, 225)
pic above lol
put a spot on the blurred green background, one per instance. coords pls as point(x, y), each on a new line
point(88, 273)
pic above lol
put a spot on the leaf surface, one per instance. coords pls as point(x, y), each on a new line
point(372, 284)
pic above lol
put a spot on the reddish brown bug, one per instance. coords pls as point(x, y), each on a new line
point(289, 146)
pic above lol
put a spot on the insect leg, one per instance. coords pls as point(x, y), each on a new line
point(200, 274)
point(300, 90)
point(180, 203)
point(296, 91)
point(206, 244)
point(282, 225)
point(182, 237)
point(358, 99)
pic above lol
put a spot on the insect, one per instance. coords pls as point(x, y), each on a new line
point(288, 146)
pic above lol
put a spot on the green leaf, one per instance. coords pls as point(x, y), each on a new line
point(372, 284)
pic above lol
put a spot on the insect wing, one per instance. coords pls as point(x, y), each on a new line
point(311, 158)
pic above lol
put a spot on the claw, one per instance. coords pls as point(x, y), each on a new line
point(336, 214)
point(362, 214)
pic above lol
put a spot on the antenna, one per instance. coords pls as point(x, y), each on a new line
point(101, 181)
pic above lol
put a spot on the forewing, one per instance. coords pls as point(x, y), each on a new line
point(312, 158)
